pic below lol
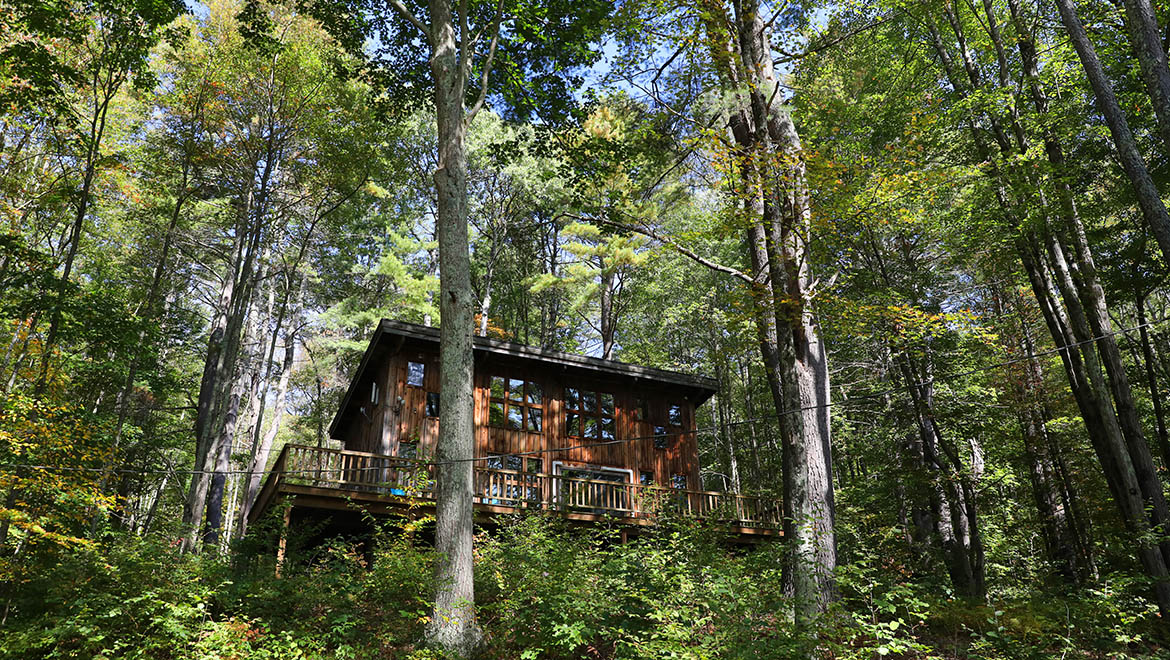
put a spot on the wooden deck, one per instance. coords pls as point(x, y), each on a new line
point(338, 479)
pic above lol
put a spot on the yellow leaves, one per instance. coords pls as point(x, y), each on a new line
point(54, 455)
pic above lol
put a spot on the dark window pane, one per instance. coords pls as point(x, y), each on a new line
point(515, 389)
point(499, 387)
point(414, 373)
point(496, 414)
point(660, 439)
point(432, 404)
point(674, 415)
point(589, 402)
point(515, 414)
point(643, 411)
point(678, 481)
point(494, 462)
point(572, 425)
point(534, 420)
point(407, 450)
point(572, 398)
point(513, 462)
point(533, 465)
point(646, 478)
point(607, 428)
point(606, 403)
point(590, 430)
point(535, 393)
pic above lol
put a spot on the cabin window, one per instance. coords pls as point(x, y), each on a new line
point(642, 412)
point(415, 372)
point(432, 404)
point(646, 478)
point(661, 440)
point(674, 415)
point(516, 404)
point(408, 450)
point(589, 415)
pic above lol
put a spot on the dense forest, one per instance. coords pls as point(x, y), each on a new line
point(921, 245)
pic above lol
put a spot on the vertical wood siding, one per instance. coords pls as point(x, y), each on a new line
point(400, 416)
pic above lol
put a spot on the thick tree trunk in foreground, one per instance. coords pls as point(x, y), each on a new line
point(453, 625)
point(772, 174)
point(1149, 200)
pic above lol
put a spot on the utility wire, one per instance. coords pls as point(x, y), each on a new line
point(849, 401)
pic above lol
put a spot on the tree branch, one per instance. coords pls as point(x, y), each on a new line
point(487, 63)
point(408, 15)
point(666, 240)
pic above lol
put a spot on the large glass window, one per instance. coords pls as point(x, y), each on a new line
point(516, 404)
point(415, 373)
point(589, 415)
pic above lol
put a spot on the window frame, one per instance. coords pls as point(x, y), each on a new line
point(527, 403)
point(598, 416)
point(410, 373)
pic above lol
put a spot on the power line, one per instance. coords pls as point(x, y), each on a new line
point(849, 401)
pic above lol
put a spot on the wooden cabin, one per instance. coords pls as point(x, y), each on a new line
point(578, 436)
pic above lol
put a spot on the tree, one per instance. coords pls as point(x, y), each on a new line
point(1153, 62)
point(463, 44)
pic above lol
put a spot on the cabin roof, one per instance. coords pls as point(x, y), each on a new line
point(390, 335)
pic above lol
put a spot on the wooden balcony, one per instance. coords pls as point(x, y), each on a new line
point(338, 479)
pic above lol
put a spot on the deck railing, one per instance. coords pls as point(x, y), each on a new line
point(300, 465)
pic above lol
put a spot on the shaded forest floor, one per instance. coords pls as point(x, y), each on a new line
point(544, 592)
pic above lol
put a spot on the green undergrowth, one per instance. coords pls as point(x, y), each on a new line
point(544, 592)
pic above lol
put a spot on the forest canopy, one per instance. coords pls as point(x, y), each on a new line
point(920, 246)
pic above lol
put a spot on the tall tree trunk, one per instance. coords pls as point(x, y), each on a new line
point(1142, 24)
point(263, 449)
point(608, 326)
point(102, 96)
point(775, 203)
point(1152, 379)
point(1149, 200)
point(222, 452)
point(453, 626)
point(954, 503)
